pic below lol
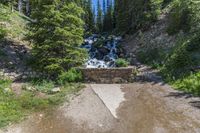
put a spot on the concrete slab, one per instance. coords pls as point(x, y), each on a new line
point(111, 95)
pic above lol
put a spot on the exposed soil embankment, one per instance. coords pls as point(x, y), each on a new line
point(155, 38)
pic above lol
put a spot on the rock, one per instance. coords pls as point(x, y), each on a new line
point(7, 90)
point(104, 50)
point(30, 88)
point(56, 90)
point(107, 58)
point(117, 80)
point(99, 56)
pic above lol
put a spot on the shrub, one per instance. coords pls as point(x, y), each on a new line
point(2, 32)
point(71, 75)
point(184, 57)
point(190, 84)
point(121, 62)
point(185, 16)
point(152, 56)
point(4, 83)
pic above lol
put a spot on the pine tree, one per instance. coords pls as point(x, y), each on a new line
point(108, 18)
point(56, 32)
point(104, 7)
point(122, 15)
point(89, 17)
point(20, 6)
point(99, 18)
point(132, 15)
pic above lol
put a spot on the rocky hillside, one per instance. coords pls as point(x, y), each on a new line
point(155, 38)
point(13, 50)
point(171, 45)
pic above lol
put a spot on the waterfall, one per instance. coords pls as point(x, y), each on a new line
point(102, 55)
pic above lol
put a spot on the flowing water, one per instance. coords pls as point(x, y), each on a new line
point(103, 51)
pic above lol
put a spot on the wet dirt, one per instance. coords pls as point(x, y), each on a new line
point(148, 108)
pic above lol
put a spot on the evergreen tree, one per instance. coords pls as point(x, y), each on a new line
point(104, 6)
point(122, 15)
point(57, 32)
point(89, 17)
point(99, 18)
point(132, 15)
point(108, 18)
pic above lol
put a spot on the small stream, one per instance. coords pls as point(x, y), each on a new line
point(103, 51)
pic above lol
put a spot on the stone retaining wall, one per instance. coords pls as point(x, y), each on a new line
point(110, 75)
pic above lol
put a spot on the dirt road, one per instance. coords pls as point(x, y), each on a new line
point(147, 107)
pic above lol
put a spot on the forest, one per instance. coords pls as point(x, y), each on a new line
point(44, 42)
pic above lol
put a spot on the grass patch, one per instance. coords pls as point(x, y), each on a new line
point(14, 108)
point(121, 63)
point(43, 86)
point(71, 76)
point(13, 22)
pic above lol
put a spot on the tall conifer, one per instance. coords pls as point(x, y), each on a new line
point(57, 32)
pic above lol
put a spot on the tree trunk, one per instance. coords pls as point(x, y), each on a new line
point(27, 7)
point(20, 6)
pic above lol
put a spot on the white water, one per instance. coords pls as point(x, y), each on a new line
point(106, 59)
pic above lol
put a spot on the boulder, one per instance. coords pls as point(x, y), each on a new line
point(56, 90)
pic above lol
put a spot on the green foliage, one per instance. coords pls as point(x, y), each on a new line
point(57, 36)
point(154, 57)
point(132, 15)
point(190, 84)
point(4, 83)
point(72, 75)
point(2, 32)
point(4, 13)
point(14, 108)
point(89, 16)
point(30, 101)
point(66, 90)
point(3, 17)
point(40, 85)
point(9, 108)
point(185, 16)
point(183, 58)
point(180, 17)
point(108, 19)
point(12, 24)
point(99, 23)
point(121, 62)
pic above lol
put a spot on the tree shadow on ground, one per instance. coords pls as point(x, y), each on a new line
point(150, 77)
point(153, 77)
point(180, 95)
point(190, 97)
point(195, 104)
